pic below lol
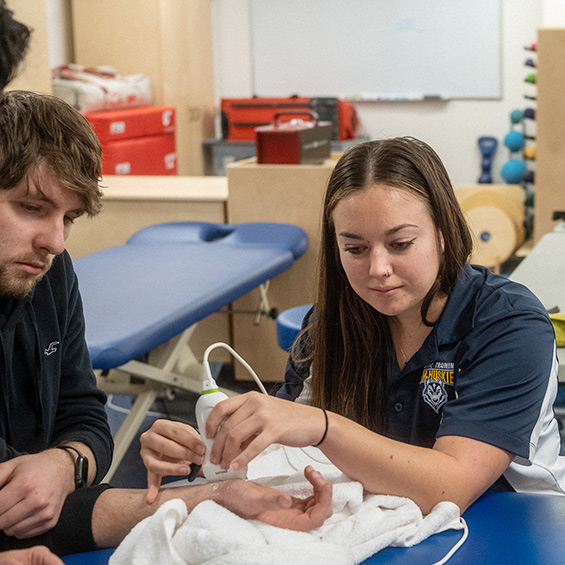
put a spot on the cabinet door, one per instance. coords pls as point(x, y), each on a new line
point(170, 42)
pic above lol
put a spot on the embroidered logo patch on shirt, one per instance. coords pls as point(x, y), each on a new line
point(436, 377)
point(51, 348)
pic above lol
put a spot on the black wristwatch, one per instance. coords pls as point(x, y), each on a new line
point(81, 466)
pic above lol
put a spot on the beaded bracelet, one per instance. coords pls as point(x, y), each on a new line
point(325, 431)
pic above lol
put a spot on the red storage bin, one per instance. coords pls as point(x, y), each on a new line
point(136, 141)
point(149, 155)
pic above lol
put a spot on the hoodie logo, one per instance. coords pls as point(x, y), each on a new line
point(52, 348)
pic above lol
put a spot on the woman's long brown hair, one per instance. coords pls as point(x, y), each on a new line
point(347, 341)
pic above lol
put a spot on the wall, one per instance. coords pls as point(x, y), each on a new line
point(34, 71)
point(553, 13)
point(60, 30)
point(451, 127)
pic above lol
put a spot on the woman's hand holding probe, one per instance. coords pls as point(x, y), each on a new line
point(253, 421)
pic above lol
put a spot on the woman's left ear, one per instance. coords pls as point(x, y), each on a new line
point(441, 242)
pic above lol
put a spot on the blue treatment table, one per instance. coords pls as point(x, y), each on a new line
point(156, 287)
point(504, 527)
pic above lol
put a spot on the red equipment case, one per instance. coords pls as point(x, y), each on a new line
point(111, 125)
point(295, 142)
point(136, 141)
point(240, 116)
point(146, 155)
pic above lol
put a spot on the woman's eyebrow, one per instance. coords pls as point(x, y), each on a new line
point(349, 235)
point(391, 231)
point(400, 227)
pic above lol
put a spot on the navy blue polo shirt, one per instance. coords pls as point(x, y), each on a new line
point(487, 371)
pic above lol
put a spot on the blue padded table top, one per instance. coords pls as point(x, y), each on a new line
point(169, 276)
point(504, 527)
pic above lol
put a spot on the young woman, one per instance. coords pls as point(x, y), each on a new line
point(416, 373)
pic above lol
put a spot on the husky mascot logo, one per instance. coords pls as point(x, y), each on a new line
point(435, 394)
point(435, 379)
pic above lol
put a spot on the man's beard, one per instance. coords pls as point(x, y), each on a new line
point(17, 284)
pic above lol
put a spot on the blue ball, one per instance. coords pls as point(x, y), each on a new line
point(513, 171)
point(515, 141)
point(516, 116)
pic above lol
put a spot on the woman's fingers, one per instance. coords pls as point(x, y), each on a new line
point(168, 448)
point(153, 485)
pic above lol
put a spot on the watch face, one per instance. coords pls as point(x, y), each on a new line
point(81, 465)
point(81, 471)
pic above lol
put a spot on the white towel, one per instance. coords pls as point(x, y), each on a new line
point(362, 523)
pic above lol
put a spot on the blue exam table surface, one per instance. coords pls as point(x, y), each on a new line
point(167, 277)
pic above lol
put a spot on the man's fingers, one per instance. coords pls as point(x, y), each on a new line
point(315, 478)
point(30, 527)
point(40, 555)
point(284, 500)
point(321, 507)
point(275, 500)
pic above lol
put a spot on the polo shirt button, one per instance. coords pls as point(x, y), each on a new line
point(398, 407)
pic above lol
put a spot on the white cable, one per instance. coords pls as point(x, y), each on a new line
point(122, 410)
point(449, 555)
point(208, 373)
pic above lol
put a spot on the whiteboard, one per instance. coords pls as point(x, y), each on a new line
point(377, 49)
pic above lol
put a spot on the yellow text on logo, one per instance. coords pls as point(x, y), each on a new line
point(436, 375)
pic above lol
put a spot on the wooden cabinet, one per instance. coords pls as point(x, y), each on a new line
point(170, 41)
point(550, 130)
point(276, 193)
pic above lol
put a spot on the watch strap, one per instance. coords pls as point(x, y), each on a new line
point(81, 466)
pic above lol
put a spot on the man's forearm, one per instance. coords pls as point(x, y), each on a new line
point(117, 511)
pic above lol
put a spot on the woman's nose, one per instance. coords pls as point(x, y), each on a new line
point(380, 264)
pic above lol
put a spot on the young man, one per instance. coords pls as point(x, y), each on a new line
point(55, 443)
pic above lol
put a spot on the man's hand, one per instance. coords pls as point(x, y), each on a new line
point(33, 489)
point(38, 555)
point(168, 448)
point(254, 501)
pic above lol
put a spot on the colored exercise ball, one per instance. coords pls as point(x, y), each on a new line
point(530, 152)
point(513, 171)
point(514, 140)
point(516, 116)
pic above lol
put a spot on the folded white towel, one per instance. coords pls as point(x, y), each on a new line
point(361, 525)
